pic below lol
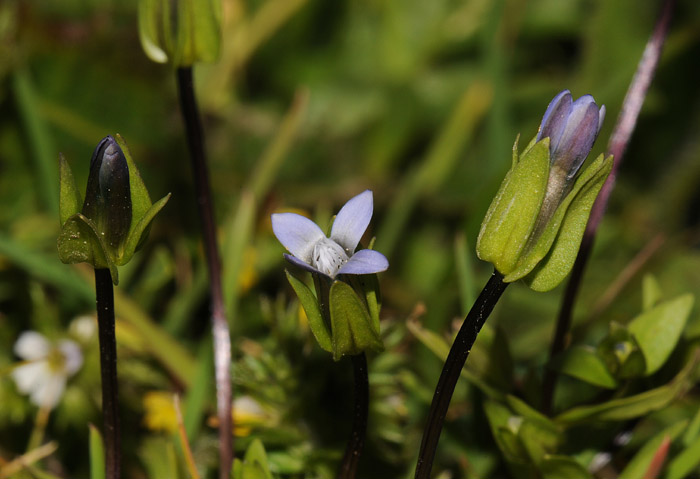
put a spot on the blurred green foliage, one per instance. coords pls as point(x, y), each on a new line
point(310, 103)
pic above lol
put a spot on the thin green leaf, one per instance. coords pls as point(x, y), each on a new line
point(97, 454)
point(641, 461)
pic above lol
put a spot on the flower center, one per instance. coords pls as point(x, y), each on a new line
point(56, 361)
point(328, 256)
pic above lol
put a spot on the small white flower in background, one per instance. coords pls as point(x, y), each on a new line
point(46, 367)
point(314, 252)
point(83, 327)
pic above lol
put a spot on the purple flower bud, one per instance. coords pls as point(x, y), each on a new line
point(108, 195)
point(572, 127)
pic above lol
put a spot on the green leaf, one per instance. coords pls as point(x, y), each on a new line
point(504, 426)
point(641, 461)
point(511, 217)
point(651, 292)
point(69, 196)
point(582, 362)
point(255, 464)
point(139, 231)
point(351, 326)
point(685, 462)
point(693, 429)
point(554, 267)
point(79, 242)
point(562, 467)
point(631, 406)
point(657, 330)
point(97, 454)
point(313, 312)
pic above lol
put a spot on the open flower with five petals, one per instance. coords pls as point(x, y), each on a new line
point(313, 251)
point(46, 367)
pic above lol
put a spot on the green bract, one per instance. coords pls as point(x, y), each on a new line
point(180, 32)
point(115, 218)
point(534, 226)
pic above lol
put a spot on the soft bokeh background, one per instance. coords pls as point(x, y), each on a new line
point(312, 102)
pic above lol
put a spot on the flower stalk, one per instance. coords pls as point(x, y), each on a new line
point(220, 327)
point(452, 369)
point(108, 367)
point(353, 450)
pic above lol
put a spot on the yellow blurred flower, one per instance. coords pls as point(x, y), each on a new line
point(159, 411)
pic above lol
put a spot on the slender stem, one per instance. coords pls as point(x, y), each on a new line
point(453, 368)
point(108, 367)
point(42, 419)
point(220, 328)
point(626, 123)
point(348, 467)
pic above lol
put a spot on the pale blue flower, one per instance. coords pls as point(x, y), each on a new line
point(572, 127)
point(311, 250)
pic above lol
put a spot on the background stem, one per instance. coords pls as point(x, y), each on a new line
point(626, 123)
point(348, 467)
point(220, 328)
point(452, 369)
point(108, 366)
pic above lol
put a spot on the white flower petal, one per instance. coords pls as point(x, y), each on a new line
point(49, 392)
point(296, 233)
point(31, 345)
point(29, 376)
point(352, 221)
point(73, 356)
point(365, 261)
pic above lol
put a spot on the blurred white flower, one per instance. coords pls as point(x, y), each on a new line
point(46, 367)
point(83, 327)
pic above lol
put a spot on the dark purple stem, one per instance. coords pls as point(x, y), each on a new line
point(104, 294)
point(220, 328)
point(626, 123)
point(348, 468)
point(452, 369)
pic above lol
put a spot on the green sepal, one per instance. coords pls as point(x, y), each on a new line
point(543, 243)
point(313, 312)
point(69, 202)
point(80, 242)
point(513, 213)
point(559, 260)
point(139, 232)
point(351, 325)
point(140, 199)
point(182, 32)
point(657, 330)
point(142, 209)
point(367, 286)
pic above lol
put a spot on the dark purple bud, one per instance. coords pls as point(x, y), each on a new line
point(572, 127)
point(108, 196)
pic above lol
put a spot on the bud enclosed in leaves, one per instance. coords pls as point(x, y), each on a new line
point(117, 212)
point(534, 226)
